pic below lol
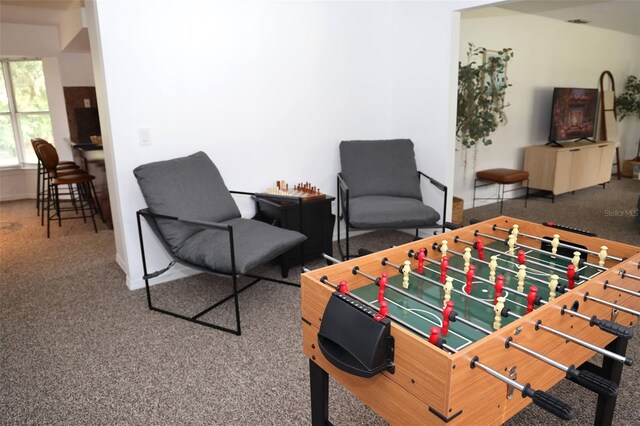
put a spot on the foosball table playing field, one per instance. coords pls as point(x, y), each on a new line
point(470, 326)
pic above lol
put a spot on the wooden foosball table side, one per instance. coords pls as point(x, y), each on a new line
point(417, 384)
point(472, 389)
point(430, 386)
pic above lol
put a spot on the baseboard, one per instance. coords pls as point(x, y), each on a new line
point(16, 197)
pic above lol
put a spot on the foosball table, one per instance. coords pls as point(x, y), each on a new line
point(470, 326)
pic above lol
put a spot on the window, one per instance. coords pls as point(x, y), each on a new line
point(24, 111)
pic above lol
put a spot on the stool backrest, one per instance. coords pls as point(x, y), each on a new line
point(49, 157)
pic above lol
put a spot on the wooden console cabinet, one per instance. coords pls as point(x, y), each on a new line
point(576, 165)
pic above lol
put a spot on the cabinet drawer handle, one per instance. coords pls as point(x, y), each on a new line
point(601, 146)
point(572, 150)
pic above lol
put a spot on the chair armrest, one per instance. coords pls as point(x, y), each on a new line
point(242, 192)
point(434, 182)
point(213, 225)
point(342, 184)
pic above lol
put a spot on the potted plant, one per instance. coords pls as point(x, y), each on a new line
point(482, 85)
point(628, 105)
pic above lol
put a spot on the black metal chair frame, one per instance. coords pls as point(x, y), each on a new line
point(234, 275)
point(343, 193)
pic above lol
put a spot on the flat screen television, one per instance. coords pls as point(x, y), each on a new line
point(573, 114)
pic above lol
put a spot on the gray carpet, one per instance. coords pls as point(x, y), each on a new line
point(77, 347)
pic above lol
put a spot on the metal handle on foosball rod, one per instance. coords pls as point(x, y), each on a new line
point(604, 352)
point(424, 302)
point(540, 398)
point(584, 378)
point(560, 244)
point(611, 305)
point(386, 262)
point(602, 268)
point(607, 326)
point(562, 271)
point(607, 285)
point(324, 279)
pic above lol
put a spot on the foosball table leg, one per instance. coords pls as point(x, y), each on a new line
point(610, 370)
point(319, 380)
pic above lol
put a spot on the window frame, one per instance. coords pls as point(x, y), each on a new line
point(14, 114)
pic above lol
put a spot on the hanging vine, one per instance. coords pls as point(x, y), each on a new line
point(482, 85)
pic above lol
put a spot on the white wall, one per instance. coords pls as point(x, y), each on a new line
point(267, 89)
point(548, 53)
point(76, 69)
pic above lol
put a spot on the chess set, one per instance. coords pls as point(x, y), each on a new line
point(305, 190)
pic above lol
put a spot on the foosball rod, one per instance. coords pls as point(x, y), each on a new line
point(602, 268)
point(607, 285)
point(561, 244)
point(601, 351)
point(356, 270)
point(604, 325)
point(456, 239)
point(529, 277)
point(484, 280)
point(624, 274)
point(608, 326)
point(386, 262)
point(611, 305)
point(584, 378)
point(325, 280)
point(623, 359)
point(540, 398)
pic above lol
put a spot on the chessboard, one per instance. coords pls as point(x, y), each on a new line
point(305, 190)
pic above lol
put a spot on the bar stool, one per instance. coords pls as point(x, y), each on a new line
point(80, 182)
point(42, 176)
point(500, 177)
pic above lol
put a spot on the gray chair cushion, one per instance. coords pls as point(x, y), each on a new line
point(384, 167)
point(254, 242)
point(189, 188)
point(390, 212)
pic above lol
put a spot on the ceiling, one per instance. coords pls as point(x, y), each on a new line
point(45, 4)
point(617, 15)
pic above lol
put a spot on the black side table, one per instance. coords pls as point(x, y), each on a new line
point(317, 225)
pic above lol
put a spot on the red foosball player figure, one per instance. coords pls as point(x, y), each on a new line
point(421, 256)
point(382, 312)
point(571, 276)
point(480, 248)
point(446, 313)
point(499, 286)
point(444, 265)
point(434, 336)
point(382, 283)
point(531, 297)
point(342, 287)
point(521, 257)
point(471, 273)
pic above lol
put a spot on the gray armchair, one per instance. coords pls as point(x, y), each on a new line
point(194, 215)
point(379, 188)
